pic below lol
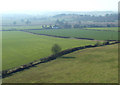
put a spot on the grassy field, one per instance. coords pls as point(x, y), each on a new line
point(81, 33)
point(93, 65)
point(20, 27)
point(110, 28)
point(20, 48)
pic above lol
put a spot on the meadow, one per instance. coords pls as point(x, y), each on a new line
point(103, 28)
point(19, 48)
point(80, 33)
point(20, 27)
point(28, 37)
point(92, 65)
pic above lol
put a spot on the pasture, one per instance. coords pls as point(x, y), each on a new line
point(92, 65)
point(19, 48)
point(20, 27)
point(107, 29)
point(80, 33)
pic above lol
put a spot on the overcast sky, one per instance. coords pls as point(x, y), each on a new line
point(58, 5)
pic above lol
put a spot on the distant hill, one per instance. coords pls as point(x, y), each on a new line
point(66, 18)
point(52, 13)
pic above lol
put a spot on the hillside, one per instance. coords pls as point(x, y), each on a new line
point(19, 48)
point(93, 65)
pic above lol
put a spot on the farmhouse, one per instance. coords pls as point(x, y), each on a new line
point(55, 27)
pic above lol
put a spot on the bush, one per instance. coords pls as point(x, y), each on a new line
point(106, 43)
point(56, 48)
point(97, 43)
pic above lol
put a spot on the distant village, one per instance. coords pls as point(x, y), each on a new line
point(50, 27)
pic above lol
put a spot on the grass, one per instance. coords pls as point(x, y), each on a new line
point(20, 27)
point(93, 65)
point(19, 48)
point(110, 28)
point(81, 33)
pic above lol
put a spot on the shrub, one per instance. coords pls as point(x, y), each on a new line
point(106, 43)
point(56, 48)
point(97, 43)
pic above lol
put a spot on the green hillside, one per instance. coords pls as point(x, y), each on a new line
point(92, 65)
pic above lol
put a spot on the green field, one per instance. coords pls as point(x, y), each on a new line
point(20, 27)
point(19, 48)
point(80, 33)
point(110, 28)
point(92, 65)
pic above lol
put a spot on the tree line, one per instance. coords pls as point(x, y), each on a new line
point(69, 21)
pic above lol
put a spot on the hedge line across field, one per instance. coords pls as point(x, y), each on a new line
point(8, 72)
point(60, 36)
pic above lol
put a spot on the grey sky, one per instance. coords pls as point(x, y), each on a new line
point(58, 5)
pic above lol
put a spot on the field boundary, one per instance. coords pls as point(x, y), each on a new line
point(6, 73)
point(101, 30)
point(65, 37)
point(56, 29)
